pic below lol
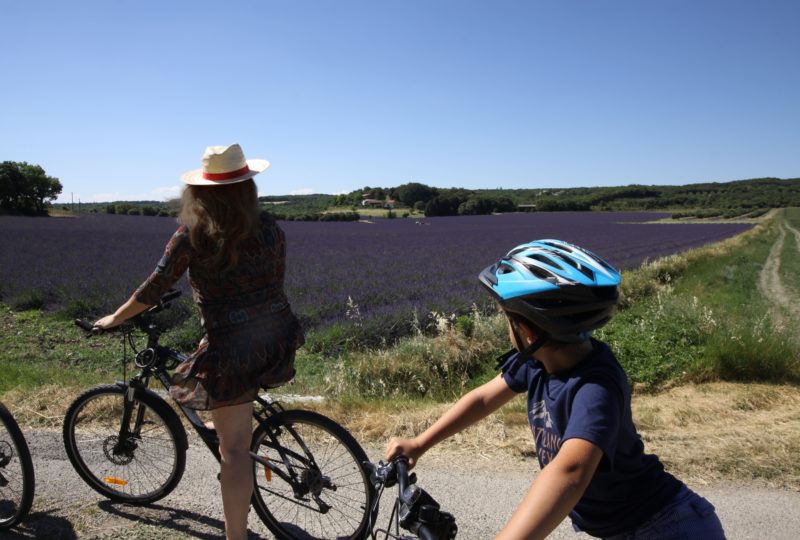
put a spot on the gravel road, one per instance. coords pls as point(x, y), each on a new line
point(481, 494)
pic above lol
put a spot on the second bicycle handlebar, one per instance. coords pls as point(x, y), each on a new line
point(418, 512)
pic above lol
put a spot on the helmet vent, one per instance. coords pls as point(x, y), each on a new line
point(565, 247)
point(540, 272)
point(545, 260)
point(577, 266)
point(504, 269)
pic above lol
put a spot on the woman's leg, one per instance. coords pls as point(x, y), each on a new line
point(234, 427)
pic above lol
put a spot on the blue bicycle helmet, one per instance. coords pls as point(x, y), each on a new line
point(563, 290)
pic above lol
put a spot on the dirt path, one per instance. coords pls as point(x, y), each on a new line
point(481, 493)
point(783, 309)
point(736, 444)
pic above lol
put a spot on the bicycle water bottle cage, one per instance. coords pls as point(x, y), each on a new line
point(145, 358)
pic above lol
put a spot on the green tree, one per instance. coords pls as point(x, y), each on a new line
point(410, 193)
point(476, 206)
point(442, 206)
point(26, 188)
point(11, 184)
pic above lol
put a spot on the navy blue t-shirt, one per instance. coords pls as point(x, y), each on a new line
point(592, 401)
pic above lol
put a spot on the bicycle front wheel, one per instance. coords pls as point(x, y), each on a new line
point(310, 479)
point(16, 472)
point(138, 461)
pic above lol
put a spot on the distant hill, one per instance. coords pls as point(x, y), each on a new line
point(725, 199)
point(722, 198)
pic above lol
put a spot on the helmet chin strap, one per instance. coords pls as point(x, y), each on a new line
point(528, 352)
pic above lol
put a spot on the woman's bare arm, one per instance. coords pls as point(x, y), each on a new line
point(129, 309)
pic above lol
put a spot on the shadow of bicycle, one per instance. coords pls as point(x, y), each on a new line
point(41, 525)
point(186, 522)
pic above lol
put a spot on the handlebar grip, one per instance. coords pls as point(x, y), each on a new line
point(170, 295)
point(425, 533)
point(85, 325)
point(401, 465)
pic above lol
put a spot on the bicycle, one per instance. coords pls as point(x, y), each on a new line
point(17, 482)
point(414, 509)
point(129, 445)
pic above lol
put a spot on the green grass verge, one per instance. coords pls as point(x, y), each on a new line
point(790, 256)
point(42, 349)
point(700, 316)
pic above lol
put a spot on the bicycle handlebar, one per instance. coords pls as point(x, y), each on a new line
point(168, 297)
point(418, 512)
point(163, 303)
point(89, 327)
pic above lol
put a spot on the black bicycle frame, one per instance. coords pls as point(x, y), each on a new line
point(157, 357)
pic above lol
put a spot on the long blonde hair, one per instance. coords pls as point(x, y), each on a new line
point(219, 219)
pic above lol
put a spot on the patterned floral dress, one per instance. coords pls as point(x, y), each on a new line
point(251, 331)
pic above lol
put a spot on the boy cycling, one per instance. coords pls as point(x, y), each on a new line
point(593, 465)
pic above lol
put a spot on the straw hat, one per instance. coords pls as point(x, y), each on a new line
point(224, 165)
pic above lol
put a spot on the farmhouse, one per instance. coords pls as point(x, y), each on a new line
point(375, 203)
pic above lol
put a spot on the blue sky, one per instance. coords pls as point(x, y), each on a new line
point(117, 99)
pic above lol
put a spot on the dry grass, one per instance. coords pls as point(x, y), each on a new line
point(728, 431)
point(40, 408)
point(744, 433)
point(703, 433)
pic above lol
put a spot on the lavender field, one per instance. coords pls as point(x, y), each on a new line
point(375, 274)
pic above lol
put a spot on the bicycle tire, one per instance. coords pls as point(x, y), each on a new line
point(348, 493)
point(17, 481)
point(122, 472)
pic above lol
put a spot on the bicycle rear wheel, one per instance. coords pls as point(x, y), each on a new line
point(315, 485)
point(138, 463)
point(17, 482)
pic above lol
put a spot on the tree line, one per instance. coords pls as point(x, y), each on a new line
point(717, 198)
point(25, 188)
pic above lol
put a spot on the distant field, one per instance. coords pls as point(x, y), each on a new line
point(373, 274)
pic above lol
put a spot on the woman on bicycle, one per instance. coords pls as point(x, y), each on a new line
point(593, 465)
point(236, 261)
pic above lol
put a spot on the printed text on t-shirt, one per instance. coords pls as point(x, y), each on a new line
point(547, 440)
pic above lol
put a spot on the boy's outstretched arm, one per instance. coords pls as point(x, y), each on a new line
point(472, 407)
point(554, 492)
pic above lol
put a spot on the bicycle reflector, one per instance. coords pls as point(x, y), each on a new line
point(267, 472)
point(115, 481)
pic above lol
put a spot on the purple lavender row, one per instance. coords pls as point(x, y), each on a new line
point(387, 269)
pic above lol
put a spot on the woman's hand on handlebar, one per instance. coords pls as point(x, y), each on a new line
point(129, 309)
point(109, 321)
point(410, 448)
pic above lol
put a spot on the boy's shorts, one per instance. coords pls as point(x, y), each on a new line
point(688, 516)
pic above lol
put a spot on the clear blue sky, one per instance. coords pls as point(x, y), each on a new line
point(117, 99)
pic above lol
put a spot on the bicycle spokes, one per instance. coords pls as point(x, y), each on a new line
point(6, 453)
